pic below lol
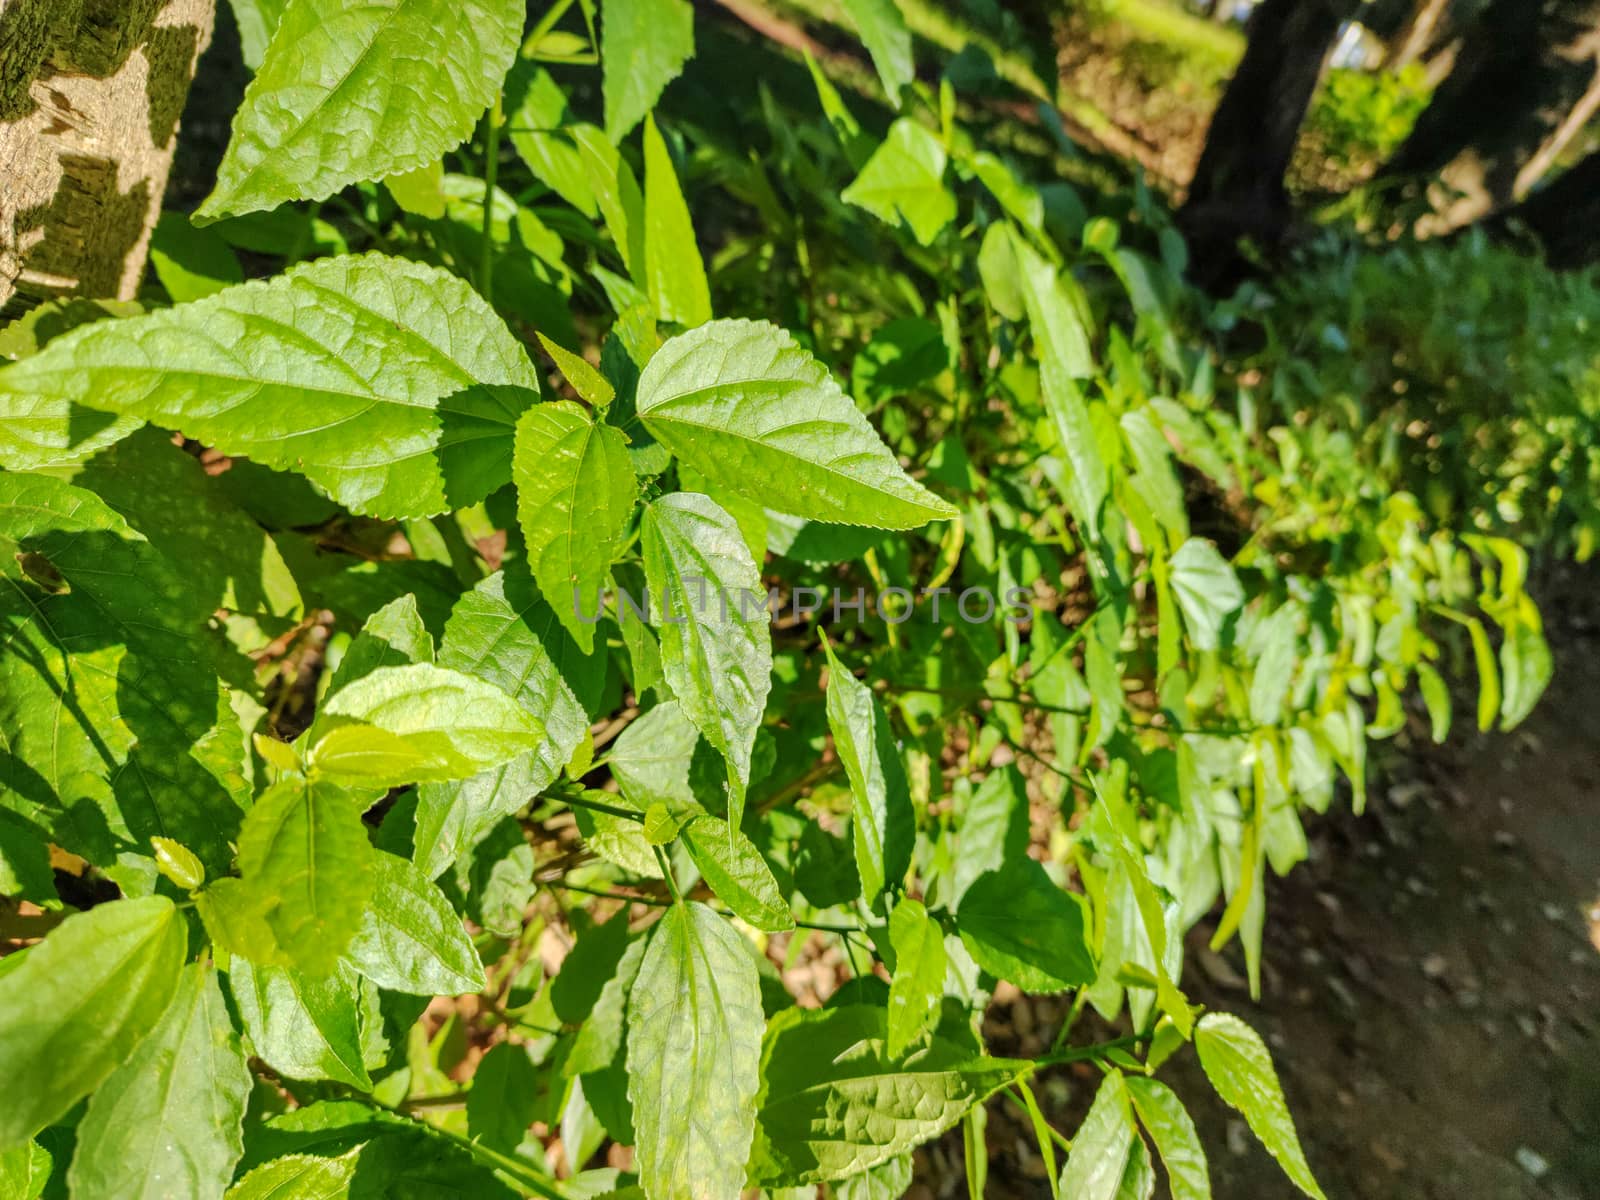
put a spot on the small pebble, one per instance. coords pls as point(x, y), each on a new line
point(1532, 1162)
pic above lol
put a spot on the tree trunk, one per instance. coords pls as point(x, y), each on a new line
point(1565, 216)
point(1419, 34)
point(1525, 83)
point(1238, 189)
point(90, 94)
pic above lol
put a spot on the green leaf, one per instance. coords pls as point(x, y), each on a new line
point(390, 385)
point(1087, 484)
point(643, 46)
point(178, 863)
point(542, 133)
point(504, 1099)
point(1169, 1126)
point(1525, 668)
point(24, 1171)
point(600, 1040)
point(1278, 640)
point(883, 822)
point(346, 94)
point(440, 724)
point(1022, 202)
point(303, 1026)
point(420, 191)
point(504, 633)
point(1101, 1147)
point(660, 826)
point(109, 687)
point(694, 1048)
point(621, 204)
point(918, 983)
point(411, 939)
point(413, 1163)
point(889, 1180)
point(1153, 479)
point(25, 872)
point(1207, 589)
point(716, 658)
point(674, 273)
point(1436, 698)
point(884, 33)
point(1058, 311)
point(169, 1120)
point(575, 492)
point(394, 636)
point(904, 180)
point(744, 405)
point(1139, 1175)
point(994, 830)
point(1488, 674)
point(306, 863)
point(303, 1176)
point(588, 382)
point(1021, 927)
point(1240, 1068)
point(660, 758)
point(835, 1103)
point(1112, 826)
point(78, 1005)
point(257, 21)
point(734, 869)
point(39, 431)
point(1000, 273)
point(234, 916)
point(191, 262)
point(228, 560)
point(586, 969)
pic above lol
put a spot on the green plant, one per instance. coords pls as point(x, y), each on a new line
point(1359, 118)
point(1466, 373)
point(358, 662)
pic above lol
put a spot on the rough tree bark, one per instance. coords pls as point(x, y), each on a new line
point(90, 94)
point(1238, 189)
point(1526, 82)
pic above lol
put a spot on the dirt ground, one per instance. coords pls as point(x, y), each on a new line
point(1432, 979)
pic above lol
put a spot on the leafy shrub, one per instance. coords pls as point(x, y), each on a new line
point(1359, 118)
point(438, 635)
point(1467, 372)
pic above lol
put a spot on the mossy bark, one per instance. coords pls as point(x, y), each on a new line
point(90, 93)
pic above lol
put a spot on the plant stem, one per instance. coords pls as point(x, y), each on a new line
point(1073, 1014)
point(509, 1165)
point(627, 814)
point(1056, 1135)
point(654, 902)
point(1090, 1053)
point(666, 873)
point(491, 175)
